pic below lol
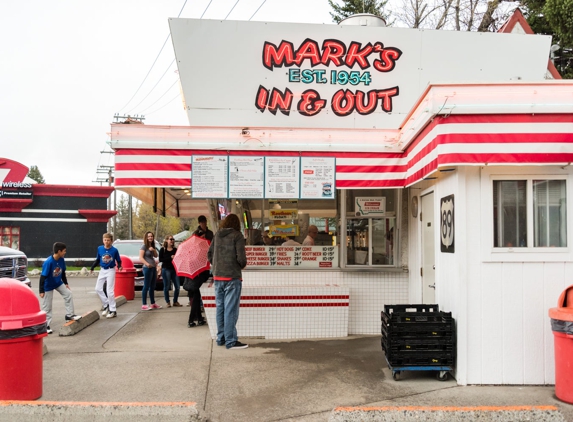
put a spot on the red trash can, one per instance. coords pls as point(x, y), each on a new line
point(125, 279)
point(22, 327)
point(562, 326)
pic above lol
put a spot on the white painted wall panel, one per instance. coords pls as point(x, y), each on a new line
point(492, 326)
point(554, 279)
point(534, 322)
point(512, 322)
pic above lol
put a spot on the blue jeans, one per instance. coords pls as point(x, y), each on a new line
point(169, 276)
point(227, 297)
point(149, 280)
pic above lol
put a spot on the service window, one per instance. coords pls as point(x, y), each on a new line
point(371, 216)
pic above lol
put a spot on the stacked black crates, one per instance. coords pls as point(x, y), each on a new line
point(418, 336)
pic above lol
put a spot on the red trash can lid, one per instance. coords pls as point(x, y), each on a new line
point(564, 310)
point(19, 306)
point(126, 263)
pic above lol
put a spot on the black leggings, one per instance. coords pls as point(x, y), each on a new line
point(195, 297)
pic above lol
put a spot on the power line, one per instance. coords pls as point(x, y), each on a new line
point(165, 93)
point(204, 11)
point(168, 102)
point(264, 1)
point(231, 9)
point(155, 61)
point(151, 90)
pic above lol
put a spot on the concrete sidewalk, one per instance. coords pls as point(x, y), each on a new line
point(151, 358)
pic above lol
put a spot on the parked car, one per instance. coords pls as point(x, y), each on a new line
point(130, 248)
point(14, 264)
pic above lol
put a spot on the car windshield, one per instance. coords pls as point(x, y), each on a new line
point(129, 249)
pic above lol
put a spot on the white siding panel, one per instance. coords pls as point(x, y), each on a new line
point(533, 324)
point(512, 322)
point(555, 282)
point(492, 328)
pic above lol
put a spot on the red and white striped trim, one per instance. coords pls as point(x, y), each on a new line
point(542, 139)
point(286, 301)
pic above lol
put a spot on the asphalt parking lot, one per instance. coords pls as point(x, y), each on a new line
point(151, 356)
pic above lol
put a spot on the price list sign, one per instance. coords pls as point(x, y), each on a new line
point(317, 177)
point(246, 177)
point(209, 174)
point(292, 256)
point(282, 177)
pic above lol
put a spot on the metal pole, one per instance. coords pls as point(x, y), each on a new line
point(130, 218)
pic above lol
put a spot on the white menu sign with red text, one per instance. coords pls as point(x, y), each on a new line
point(317, 177)
point(292, 256)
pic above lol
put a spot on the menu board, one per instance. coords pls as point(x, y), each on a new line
point(282, 177)
point(292, 256)
point(317, 177)
point(209, 176)
point(246, 177)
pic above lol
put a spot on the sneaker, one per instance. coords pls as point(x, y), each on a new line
point(168, 305)
point(103, 307)
point(155, 306)
point(222, 342)
point(111, 314)
point(238, 345)
point(49, 330)
point(177, 304)
point(188, 304)
point(73, 317)
point(145, 308)
point(200, 323)
point(105, 310)
point(191, 325)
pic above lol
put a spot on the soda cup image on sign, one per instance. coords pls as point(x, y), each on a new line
point(327, 189)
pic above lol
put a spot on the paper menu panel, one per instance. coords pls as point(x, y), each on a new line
point(246, 177)
point(317, 177)
point(209, 174)
point(282, 177)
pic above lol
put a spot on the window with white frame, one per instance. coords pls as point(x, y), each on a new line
point(529, 213)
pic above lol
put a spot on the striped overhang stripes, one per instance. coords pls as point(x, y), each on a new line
point(544, 139)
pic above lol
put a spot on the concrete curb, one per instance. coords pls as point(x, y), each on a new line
point(44, 349)
point(73, 327)
point(120, 300)
point(92, 411)
point(443, 413)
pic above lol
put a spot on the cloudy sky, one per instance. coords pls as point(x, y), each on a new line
point(69, 66)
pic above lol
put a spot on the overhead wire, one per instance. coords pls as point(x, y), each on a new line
point(165, 93)
point(167, 103)
point(155, 61)
point(232, 8)
point(151, 90)
point(264, 1)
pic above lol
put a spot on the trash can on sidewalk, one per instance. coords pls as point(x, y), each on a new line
point(125, 279)
point(22, 327)
point(562, 326)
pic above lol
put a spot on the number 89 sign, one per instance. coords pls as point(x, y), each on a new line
point(447, 224)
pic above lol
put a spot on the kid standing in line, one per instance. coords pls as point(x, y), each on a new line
point(54, 278)
point(106, 257)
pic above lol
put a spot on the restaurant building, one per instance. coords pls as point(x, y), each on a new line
point(435, 164)
point(33, 216)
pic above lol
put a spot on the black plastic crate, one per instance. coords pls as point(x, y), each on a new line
point(389, 309)
point(419, 358)
point(420, 332)
point(413, 329)
point(417, 317)
point(435, 343)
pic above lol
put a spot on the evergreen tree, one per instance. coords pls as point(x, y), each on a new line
point(121, 231)
point(34, 174)
point(353, 7)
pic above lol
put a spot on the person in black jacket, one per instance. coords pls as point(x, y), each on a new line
point(205, 233)
point(166, 254)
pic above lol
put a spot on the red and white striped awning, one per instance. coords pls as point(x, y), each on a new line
point(451, 125)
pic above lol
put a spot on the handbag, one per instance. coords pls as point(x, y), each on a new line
point(188, 285)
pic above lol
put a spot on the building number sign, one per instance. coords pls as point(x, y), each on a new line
point(447, 227)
